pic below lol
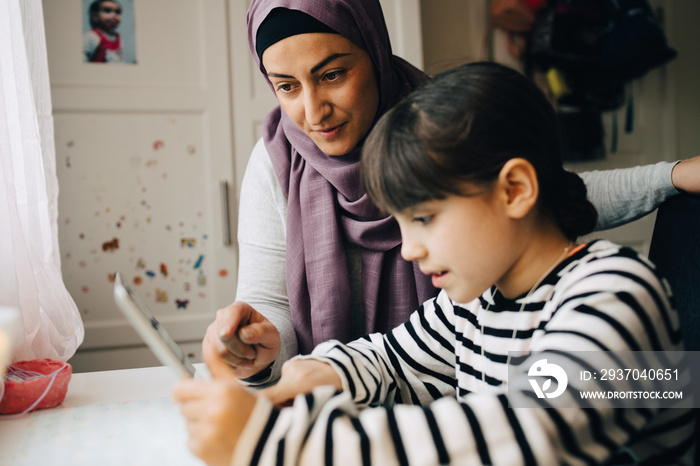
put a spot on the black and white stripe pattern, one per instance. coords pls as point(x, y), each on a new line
point(433, 398)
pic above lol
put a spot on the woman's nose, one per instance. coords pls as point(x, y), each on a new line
point(316, 107)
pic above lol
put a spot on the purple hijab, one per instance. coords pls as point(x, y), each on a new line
point(326, 202)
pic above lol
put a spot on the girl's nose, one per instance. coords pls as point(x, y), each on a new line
point(412, 250)
point(316, 107)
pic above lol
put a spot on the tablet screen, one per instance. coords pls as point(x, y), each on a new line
point(150, 330)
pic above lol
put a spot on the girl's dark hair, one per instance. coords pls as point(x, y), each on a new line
point(463, 126)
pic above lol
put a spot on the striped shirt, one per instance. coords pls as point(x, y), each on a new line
point(434, 390)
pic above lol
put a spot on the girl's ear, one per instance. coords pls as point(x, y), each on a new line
point(520, 188)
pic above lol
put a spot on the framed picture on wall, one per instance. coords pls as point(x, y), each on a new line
point(108, 31)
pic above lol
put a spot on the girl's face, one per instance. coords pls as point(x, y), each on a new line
point(327, 86)
point(466, 243)
point(109, 16)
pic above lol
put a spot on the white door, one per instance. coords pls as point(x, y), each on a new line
point(142, 150)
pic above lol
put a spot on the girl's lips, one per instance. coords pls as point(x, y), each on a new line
point(330, 133)
point(439, 279)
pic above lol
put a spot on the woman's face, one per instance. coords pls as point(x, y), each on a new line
point(327, 86)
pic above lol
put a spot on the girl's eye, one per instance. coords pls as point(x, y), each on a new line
point(424, 219)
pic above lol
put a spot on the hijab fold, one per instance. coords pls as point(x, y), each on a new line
point(327, 205)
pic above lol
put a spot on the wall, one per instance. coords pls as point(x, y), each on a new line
point(684, 36)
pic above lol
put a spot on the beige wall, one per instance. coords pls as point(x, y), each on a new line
point(684, 36)
point(452, 32)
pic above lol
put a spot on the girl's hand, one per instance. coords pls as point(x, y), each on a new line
point(301, 376)
point(244, 338)
point(686, 175)
point(216, 411)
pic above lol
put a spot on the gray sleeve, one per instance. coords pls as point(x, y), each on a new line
point(262, 250)
point(626, 194)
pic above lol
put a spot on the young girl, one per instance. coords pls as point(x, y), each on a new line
point(102, 44)
point(470, 167)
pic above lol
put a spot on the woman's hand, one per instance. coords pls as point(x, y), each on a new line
point(686, 175)
point(243, 338)
point(301, 376)
point(216, 411)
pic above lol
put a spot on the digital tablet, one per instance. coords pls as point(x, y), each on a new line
point(150, 330)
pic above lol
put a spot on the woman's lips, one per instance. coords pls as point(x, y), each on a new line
point(331, 132)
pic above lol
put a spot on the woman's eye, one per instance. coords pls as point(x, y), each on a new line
point(284, 88)
point(332, 75)
point(424, 219)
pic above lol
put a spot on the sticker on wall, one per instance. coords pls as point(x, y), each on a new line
point(199, 261)
point(223, 273)
point(138, 280)
point(164, 269)
point(182, 303)
point(110, 246)
point(161, 296)
point(201, 279)
point(150, 273)
point(188, 242)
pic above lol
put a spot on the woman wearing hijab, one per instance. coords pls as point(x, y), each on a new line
point(318, 260)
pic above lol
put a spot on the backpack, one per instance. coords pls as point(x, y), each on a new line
point(597, 47)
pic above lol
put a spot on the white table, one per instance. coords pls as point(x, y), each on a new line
point(123, 417)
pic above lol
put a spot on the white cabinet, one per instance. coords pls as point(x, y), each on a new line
point(141, 151)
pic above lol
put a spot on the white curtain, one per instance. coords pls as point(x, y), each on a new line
point(30, 269)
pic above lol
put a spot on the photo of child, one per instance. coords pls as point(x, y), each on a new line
point(108, 28)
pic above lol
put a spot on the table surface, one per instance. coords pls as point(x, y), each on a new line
point(123, 417)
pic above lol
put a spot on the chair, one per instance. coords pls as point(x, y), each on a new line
point(675, 249)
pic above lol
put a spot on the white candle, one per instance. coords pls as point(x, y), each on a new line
point(5, 347)
point(9, 325)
